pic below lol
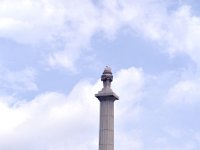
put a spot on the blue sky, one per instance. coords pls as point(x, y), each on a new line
point(53, 52)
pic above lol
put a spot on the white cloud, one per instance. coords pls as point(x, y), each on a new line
point(184, 92)
point(50, 121)
point(54, 121)
point(72, 25)
point(128, 84)
point(54, 23)
point(182, 33)
point(65, 59)
point(129, 141)
point(18, 80)
point(27, 21)
point(10, 118)
point(129, 80)
point(177, 30)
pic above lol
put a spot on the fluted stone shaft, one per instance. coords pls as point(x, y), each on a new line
point(106, 131)
point(106, 97)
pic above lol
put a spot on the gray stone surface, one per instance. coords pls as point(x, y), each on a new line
point(106, 97)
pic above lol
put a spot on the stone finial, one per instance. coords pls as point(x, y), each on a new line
point(107, 74)
point(107, 78)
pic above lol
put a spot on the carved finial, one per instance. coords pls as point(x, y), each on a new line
point(107, 70)
point(107, 74)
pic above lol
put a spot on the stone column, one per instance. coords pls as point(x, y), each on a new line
point(106, 97)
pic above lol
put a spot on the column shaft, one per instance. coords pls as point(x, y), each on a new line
point(106, 132)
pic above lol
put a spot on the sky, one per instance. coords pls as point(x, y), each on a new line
point(53, 52)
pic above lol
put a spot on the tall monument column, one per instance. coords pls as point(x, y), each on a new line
point(106, 97)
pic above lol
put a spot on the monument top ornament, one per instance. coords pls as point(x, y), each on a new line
point(107, 74)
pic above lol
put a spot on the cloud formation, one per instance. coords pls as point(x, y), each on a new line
point(57, 121)
point(184, 92)
point(23, 80)
point(69, 27)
